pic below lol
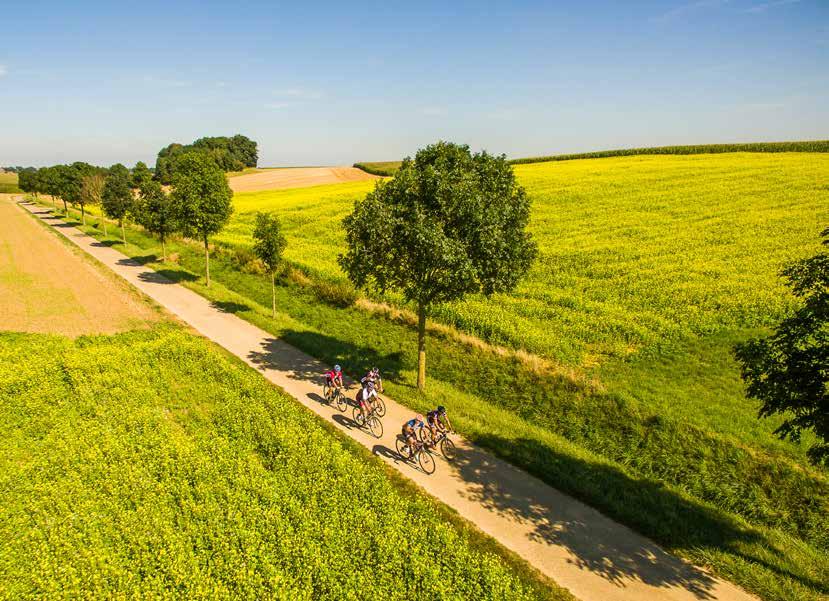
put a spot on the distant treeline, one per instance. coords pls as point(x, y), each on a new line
point(230, 154)
point(387, 168)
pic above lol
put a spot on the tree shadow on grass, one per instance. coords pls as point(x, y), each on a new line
point(140, 260)
point(167, 276)
point(106, 243)
point(229, 306)
point(597, 544)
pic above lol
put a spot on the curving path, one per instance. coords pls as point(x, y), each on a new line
point(594, 557)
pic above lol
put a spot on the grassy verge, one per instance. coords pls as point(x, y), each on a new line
point(683, 487)
point(152, 464)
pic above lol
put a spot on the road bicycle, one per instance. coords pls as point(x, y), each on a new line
point(371, 421)
point(420, 455)
point(335, 395)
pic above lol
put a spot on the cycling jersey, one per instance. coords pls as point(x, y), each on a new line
point(333, 376)
point(432, 417)
point(413, 423)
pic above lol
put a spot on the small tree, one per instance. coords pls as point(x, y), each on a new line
point(49, 183)
point(74, 185)
point(156, 212)
point(140, 174)
point(202, 198)
point(92, 190)
point(789, 370)
point(448, 224)
point(268, 246)
point(117, 198)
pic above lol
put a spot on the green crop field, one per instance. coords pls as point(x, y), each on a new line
point(646, 419)
point(149, 464)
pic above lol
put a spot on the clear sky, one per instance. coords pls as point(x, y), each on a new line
point(334, 83)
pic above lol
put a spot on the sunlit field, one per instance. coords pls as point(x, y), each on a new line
point(634, 250)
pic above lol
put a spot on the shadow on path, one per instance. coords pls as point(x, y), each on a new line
point(596, 542)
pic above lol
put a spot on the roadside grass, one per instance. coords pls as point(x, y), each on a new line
point(151, 463)
point(675, 483)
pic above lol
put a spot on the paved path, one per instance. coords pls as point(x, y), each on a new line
point(575, 545)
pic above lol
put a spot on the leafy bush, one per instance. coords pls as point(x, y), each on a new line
point(147, 464)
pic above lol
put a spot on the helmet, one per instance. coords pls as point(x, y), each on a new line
point(337, 368)
point(419, 417)
point(375, 370)
point(441, 409)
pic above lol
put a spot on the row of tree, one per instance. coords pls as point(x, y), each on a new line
point(197, 204)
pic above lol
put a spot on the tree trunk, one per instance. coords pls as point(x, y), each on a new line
point(65, 208)
point(207, 261)
point(83, 215)
point(163, 250)
point(123, 232)
point(273, 294)
point(104, 222)
point(421, 347)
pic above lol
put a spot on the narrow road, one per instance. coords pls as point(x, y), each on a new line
point(594, 557)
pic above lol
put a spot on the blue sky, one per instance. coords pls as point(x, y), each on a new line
point(333, 83)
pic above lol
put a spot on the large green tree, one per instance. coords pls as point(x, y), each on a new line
point(789, 370)
point(202, 198)
point(269, 243)
point(448, 224)
point(229, 153)
point(156, 212)
point(118, 199)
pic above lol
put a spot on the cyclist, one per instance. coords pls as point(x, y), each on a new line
point(409, 431)
point(438, 421)
point(334, 379)
point(373, 376)
point(364, 396)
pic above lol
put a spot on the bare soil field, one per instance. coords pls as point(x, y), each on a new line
point(296, 177)
point(46, 287)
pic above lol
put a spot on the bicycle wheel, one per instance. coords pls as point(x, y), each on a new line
point(342, 402)
point(403, 449)
point(426, 461)
point(358, 417)
point(375, 426)
point(379, 407)
point(447, 447)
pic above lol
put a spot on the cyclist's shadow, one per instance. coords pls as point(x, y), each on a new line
point(345, 422)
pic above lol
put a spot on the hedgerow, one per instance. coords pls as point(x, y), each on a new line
point(147, 464)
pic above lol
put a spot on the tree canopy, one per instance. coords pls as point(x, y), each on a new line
point(156, 213)
point(202, 199)
point(229, 153)
point(117, 199)
point(448, 224)
point(789, 370)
